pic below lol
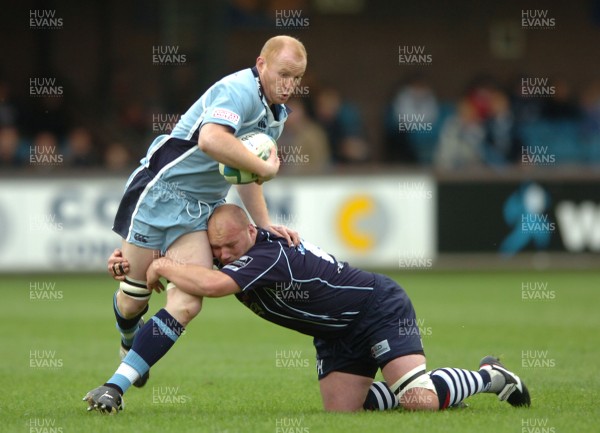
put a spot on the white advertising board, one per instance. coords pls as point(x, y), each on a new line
point(375, 221)
point(57, 224)
point(60, 225)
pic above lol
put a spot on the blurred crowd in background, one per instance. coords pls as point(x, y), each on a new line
point(87, 92)
point(491, 124)
point(497, 124)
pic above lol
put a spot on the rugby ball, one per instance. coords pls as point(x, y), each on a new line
point(259, 144)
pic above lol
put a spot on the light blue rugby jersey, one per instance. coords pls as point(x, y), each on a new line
point(236, 101)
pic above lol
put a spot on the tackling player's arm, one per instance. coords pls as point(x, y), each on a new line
point(192, 279)
point(219, 143)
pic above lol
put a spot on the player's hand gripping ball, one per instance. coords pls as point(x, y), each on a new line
point(259, 144)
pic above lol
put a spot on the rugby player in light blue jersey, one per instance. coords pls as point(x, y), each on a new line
point(169, 198)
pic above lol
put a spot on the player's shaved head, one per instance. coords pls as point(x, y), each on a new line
point(278, 43)
point(228, 216)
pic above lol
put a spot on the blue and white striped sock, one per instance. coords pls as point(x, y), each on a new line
point(151, 343)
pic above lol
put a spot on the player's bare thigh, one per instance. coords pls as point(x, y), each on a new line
point(191, 248)
point(139, 259)
point(415, 398)
point(344, 392)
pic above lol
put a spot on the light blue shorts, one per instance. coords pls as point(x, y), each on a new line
point(154, 216)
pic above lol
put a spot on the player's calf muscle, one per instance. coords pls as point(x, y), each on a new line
point(191, 248)
point(182, 306)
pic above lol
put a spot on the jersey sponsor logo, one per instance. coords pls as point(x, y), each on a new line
point(230, 116)
point(380, 348)
point(140, 238)
point(240, 263)
point(317, 251)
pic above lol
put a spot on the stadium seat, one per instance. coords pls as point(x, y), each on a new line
point(561, 139)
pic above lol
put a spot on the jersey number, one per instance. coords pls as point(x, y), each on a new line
point(317, 251)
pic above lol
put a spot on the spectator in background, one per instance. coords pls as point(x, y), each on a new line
point(11, 154)
point(79, 149)
point(343, 126)
point(8, 110)
point(526, 109)
point(485, 131)
point(303, 147)
point(480, 93)
point(44, 152)
point(501, 142)
point(117, 157)
point(461, 139)
point(414, 106)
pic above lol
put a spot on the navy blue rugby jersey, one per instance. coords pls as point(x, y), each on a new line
point(301, 288)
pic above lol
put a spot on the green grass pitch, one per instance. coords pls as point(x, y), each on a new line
point(233, 372)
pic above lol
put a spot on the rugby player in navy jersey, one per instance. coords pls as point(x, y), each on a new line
point(360, 321)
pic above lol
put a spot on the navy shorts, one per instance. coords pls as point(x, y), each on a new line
point(387, 330)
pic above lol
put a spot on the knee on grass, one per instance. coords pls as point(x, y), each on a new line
point(419, 399)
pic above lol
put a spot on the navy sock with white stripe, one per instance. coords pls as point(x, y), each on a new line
point(380, 397)
point(453, 385)
point(151, 343)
